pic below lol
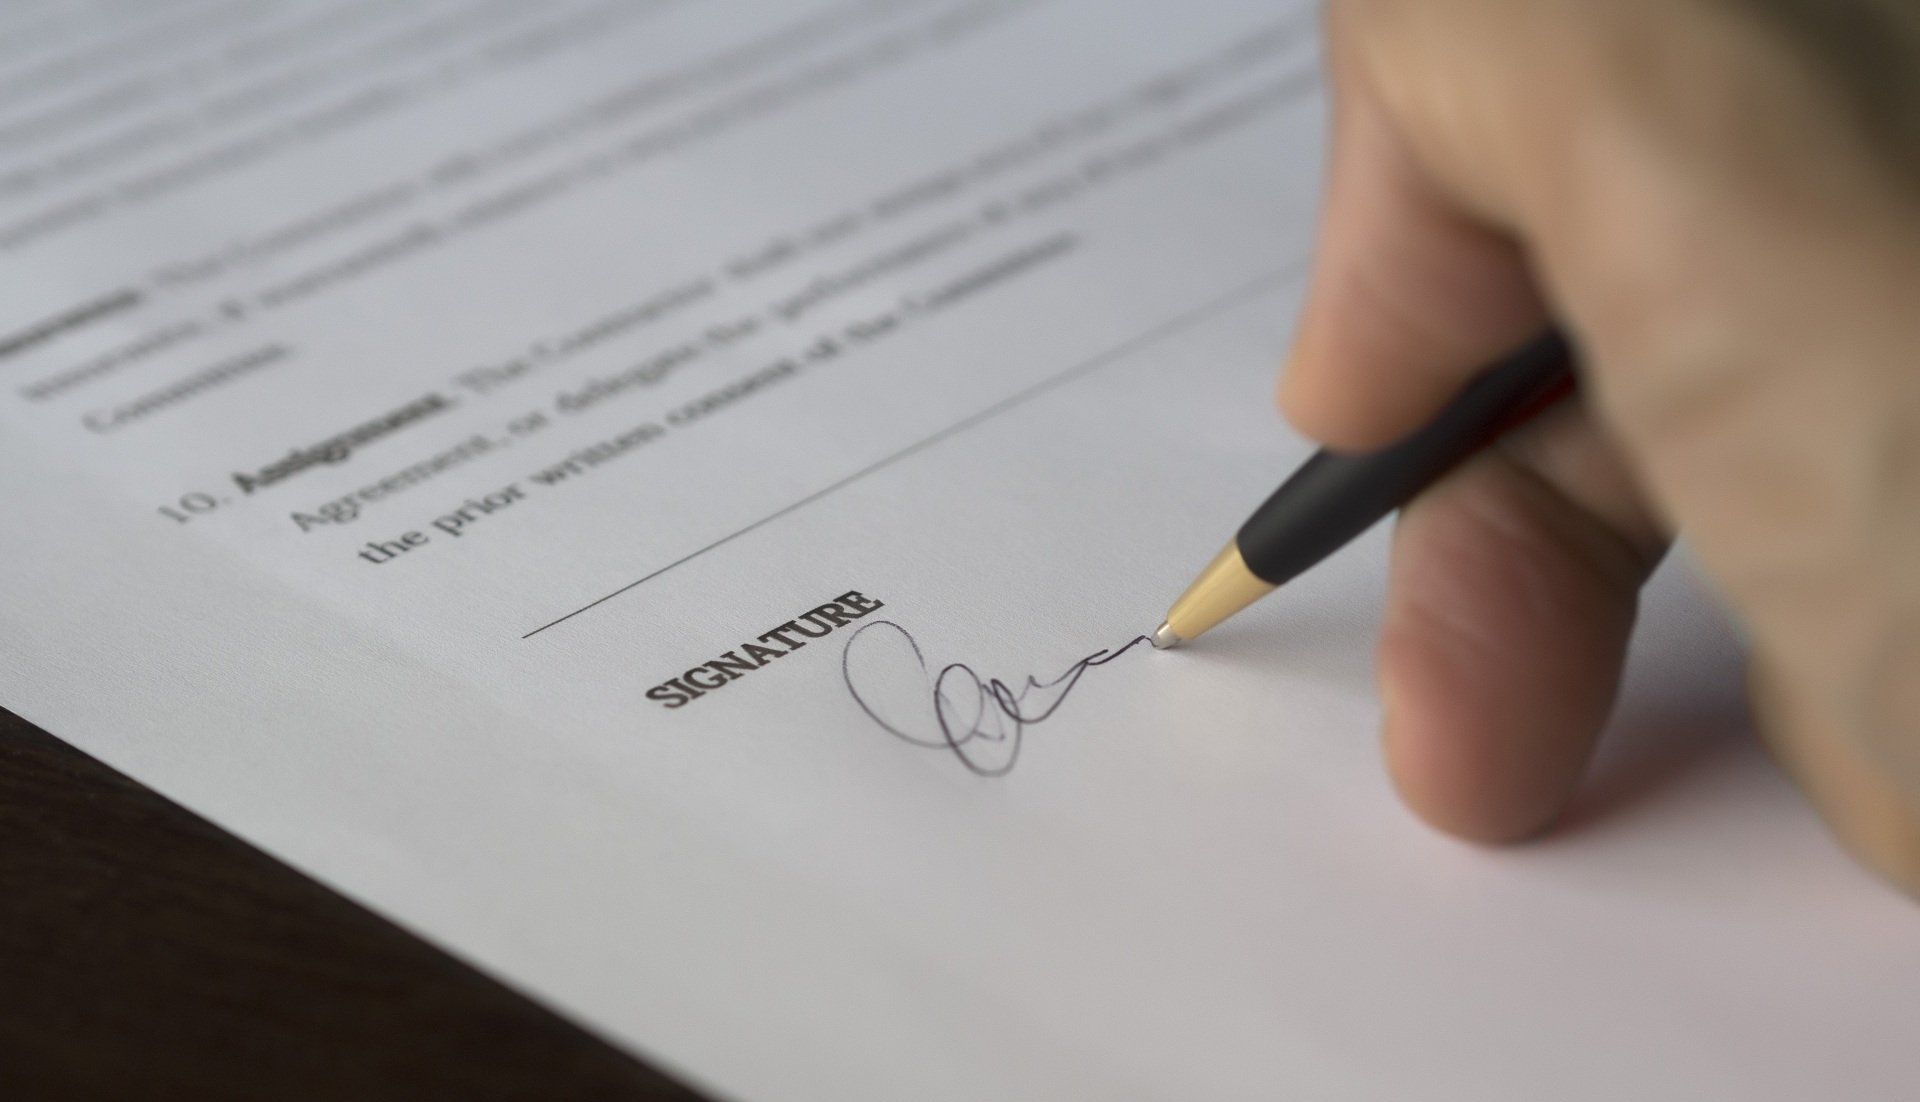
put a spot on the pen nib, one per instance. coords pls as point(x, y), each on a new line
point(1165, 639)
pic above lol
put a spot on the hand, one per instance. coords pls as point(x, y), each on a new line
point(1730, 231)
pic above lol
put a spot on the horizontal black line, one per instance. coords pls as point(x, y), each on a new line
point(1080, 370)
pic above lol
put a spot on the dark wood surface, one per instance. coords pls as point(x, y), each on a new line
point(144, 953)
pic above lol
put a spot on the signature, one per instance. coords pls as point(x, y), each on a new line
point(979, 720)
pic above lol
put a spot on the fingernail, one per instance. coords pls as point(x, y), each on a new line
point(1289, 369)
point(1385, 692)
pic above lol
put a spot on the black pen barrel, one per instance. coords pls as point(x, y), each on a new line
point(1335, 498)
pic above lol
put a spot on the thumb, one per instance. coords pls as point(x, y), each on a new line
point(1411, 293)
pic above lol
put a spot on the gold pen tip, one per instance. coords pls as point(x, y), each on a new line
point(1165, 638)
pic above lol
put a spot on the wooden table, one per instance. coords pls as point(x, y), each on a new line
point(144, 953)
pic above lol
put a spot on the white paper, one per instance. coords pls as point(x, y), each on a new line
point(281, 283)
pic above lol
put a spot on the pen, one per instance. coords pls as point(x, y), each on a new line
point(1334, 498)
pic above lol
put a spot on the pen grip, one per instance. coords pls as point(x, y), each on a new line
point(1335, 498)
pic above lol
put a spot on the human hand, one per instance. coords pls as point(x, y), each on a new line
point(1729, 229)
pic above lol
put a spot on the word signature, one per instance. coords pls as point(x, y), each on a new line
point(981, 721)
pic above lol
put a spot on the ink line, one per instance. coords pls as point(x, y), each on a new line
point(1078, 371)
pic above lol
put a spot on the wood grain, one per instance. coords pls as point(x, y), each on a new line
point(144, 953)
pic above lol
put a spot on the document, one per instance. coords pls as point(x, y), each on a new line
point(662, 499)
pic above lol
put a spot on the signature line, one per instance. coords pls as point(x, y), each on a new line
point(1078, 371)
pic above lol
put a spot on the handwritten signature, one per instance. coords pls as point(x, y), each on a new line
point(981, 721)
